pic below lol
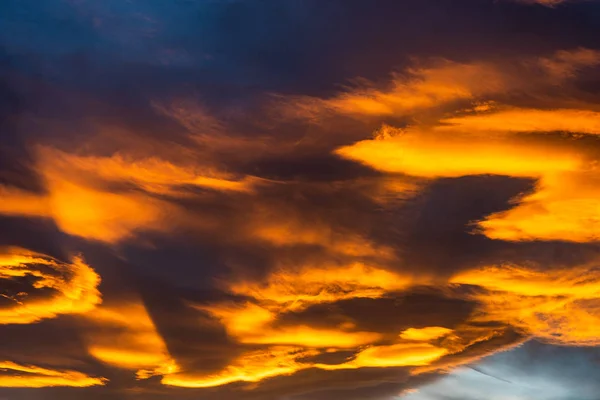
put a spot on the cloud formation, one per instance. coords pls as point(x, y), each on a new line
point(16, 375)
point(37, 287)
point(261, 218)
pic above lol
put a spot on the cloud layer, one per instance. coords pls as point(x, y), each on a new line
point(211, 218)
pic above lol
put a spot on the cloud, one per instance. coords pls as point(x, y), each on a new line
point(564, 204)
point(455, 155)
point(38, 287)
point(568, 63)
point(124, 336)
point(565, 207)
point(14, 375)
point(529, 120)
point(435, 84)
point(295, 290)
point(250, 367)
point(424, 334)
point(254, 249)
point(417, 89)
point(292, 346)
point(80, 199)
point(558, 306)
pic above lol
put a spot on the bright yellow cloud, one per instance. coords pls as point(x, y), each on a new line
point(565, 207)
point(398, 355)
point(15, 375)
point(430, 155)
point(251, 323)
point(289, 345)
point(297, 288)
point(425, 334)
point(253, 366)
point(559, 306)
point(72, 287)
point(258, 365)
point(528, 120)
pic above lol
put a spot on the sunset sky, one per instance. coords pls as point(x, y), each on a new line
point(299, 200)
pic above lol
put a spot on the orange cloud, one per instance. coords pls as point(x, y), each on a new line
point(125, 337)
point(151, 174)
point(528, 120)
point(290, 347)
point(251, 324)
point(281, 229)
point(440, 82)
point(565, 205)
point(566, 63)
point(58, 287)
point(427, 154)
point(110, 198)
point(253, 366)
point(15, 375)
point(258, 365)
point(20, 202)
point(425, 334)
point(287, 291)
point(291, 289)
point(83, 200)
point(416, 89)
point(396, 355)
point(557, 306)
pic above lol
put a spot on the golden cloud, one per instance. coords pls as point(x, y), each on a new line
point(565, 205)
point(81, 196)
point(286, 290)
point(435, 83)
point(425, 334)
point(289, 289)
point(282, 229)
point(253, 366)
point(49, 287)
point(558, 306)
point(528, 120)
point(124, 336)
point(289, 348)
point(417, 89)
point(111, 198)
point(428, 154)
point(15, 375)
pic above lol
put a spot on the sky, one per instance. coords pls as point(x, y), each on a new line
point(299, 200)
